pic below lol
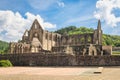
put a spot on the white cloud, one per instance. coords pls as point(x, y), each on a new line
point(104, 11)
point(13, 25)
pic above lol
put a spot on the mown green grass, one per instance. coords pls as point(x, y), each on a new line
point(115, 52)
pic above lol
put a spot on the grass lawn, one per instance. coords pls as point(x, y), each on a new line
point(115, 52)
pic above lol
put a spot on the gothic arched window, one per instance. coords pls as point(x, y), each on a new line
point(35, 26)
point(26, 34)
point(89, 39)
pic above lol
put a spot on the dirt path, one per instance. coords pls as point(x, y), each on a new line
point(58, 73)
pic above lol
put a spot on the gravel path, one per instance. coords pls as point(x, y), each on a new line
point(58, 73)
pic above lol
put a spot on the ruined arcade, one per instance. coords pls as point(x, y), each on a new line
point(38, 40)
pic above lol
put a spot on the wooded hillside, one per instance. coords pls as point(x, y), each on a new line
point(113, 40)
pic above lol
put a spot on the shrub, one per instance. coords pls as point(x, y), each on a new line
point(5, 63)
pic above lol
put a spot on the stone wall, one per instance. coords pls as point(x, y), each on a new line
point(116, 48)
point(40, 59)
point(107, 50)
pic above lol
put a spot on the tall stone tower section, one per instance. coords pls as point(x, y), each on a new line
point(25, 37)
point(98, 34)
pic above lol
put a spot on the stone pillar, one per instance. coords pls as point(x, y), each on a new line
point(18, 48)
point(47, 40)
point(11, 47)
point(84, 51)
point(60, 41)
point(91, 39)
point(51, 39)
point(32, 49)
point(56, 40)
point(36, 49)
point(21, 49)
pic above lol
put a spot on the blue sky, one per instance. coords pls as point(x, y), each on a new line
point(18, 15)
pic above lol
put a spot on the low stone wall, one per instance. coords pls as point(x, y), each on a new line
point(39, 59)
point(107, 50)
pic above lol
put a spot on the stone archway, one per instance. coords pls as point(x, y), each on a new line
point(35, 44)
point(92, 50)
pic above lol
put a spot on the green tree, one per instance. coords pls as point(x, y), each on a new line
point(66, 29)
point(3, 47)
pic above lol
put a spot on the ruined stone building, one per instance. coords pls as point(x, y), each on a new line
point(37, 40)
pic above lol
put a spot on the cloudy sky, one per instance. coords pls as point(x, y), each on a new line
point(17, 15)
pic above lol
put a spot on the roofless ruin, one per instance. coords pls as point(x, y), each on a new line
point(38, 40)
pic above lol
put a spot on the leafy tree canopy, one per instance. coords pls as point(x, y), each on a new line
point(3, 47)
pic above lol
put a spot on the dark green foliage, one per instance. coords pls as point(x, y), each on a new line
point(66, 29)
point(107, 40)
point(113, 40)
point(3, 47)
point(81, 30)
point(5, 63)
point(74, 30)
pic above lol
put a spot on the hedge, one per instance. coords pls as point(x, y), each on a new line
point(5, 63)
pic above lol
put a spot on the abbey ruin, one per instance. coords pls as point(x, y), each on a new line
point(37, 40)
point(39, 47)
